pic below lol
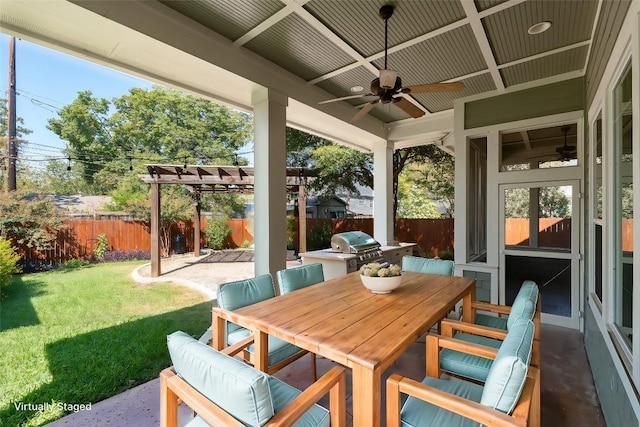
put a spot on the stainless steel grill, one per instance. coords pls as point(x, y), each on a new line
point(364, 247)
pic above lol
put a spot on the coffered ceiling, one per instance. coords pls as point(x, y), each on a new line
point(312, 50)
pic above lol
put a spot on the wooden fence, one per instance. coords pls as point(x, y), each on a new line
point(78, 237)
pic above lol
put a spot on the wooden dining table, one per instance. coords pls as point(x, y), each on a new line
point(343, 321)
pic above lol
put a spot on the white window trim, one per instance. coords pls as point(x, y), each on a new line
point(628, 42)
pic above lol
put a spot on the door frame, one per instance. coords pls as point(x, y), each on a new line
point(574, 254)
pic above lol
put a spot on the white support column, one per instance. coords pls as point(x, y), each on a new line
point(270, 196)
point(383, 226)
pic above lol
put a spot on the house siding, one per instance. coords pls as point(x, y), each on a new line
point(615, 403)
point(540, 101)
point(610, 22)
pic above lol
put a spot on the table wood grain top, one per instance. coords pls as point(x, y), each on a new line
point(343, 321)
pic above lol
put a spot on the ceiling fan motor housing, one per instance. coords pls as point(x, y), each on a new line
point(385, 94)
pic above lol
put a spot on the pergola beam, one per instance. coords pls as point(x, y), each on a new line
point(208, 179)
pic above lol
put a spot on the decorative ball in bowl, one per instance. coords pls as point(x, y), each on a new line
point(380, 278)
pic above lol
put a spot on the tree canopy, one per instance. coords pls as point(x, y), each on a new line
point(108, 138)
point(343, 168)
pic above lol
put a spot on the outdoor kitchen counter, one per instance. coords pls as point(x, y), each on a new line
point(335, 264)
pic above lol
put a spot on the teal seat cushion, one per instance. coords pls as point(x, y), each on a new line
point(241, 293)
point(282, 395)
point(292, 279)
point(234, 386)
point(278, 350)
point(508, 373)
point(491, 321)
point(417, 412)
point(427, 265)
point(468, 365)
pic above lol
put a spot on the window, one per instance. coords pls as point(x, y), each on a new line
point(596, 207)
point(477, 201)
point(623, 213)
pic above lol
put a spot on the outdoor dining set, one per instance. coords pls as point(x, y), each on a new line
point(482, 367)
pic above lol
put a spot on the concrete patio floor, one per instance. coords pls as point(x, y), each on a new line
point(568, 396)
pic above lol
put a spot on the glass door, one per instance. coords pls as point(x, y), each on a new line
point(539, 237)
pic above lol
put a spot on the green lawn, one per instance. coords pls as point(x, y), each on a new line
point(79, 336)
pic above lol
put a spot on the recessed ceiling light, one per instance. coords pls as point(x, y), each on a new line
point(357, 89)
point(540, 27)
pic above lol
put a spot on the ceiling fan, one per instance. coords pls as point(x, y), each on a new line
point(388, 86)
point(566, 151)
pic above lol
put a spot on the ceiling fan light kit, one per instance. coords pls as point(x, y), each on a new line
point(387, 87)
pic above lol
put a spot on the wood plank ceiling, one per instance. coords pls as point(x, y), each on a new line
point(339, 44)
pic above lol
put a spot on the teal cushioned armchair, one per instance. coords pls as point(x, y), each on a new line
point(241, 293)
point(224, 391)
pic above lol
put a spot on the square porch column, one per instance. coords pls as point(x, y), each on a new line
point(383, 226)
point(270, 194)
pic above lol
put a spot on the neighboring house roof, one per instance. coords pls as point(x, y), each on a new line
point(79, 204)
point(319, 200)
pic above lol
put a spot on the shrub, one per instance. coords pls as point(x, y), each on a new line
point(120, 255)
point(246, 244)
point(217, 233)
point(8, 262)
point(291, 225)
point(319, 237)
point(101, 247)
point(75, 263)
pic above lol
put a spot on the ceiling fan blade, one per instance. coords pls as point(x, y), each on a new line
point(408, 107)
point(345, 98)
point(434, 87)
point(363, 112)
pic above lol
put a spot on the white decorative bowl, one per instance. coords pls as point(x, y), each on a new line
point(381, 285)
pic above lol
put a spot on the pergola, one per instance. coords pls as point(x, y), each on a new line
point(212, 179)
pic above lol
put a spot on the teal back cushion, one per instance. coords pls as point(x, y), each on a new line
point(426, 265)
point(296, 278)
point(234, 386)
point(508, 372)
point(234, 295)
point(524, 305)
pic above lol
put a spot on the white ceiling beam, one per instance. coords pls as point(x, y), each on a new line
point(265, 25)
point(593, 33)
point(481, 37)
point(411, 129)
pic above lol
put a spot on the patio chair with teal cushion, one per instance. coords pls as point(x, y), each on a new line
point(465, 364)
point(510, 395)
point(241, 293)
point(292, 279)
point(427, 265)
point(224, 391)
point(489, 331)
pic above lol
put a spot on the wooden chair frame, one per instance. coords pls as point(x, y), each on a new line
point(174, 390)
point(449, 327)
point(218, 342)
point(526, 412)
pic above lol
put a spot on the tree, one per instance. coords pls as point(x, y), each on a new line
point(28, 220)
point(436, 174)
point(342, 168)
point(421, 155)
point(553, 203)
point(160, 125)
point(336, 167)
point(413, 200)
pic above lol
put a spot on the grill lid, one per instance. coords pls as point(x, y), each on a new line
point(353, 242)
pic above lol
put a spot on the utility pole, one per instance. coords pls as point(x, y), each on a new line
point(11, 117)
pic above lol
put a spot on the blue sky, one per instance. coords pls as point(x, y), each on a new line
point(47, 79)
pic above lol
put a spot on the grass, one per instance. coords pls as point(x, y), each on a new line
point(77, 336)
